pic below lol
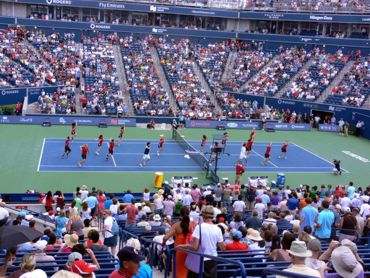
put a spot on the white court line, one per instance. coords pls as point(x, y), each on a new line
point(42, 152)
point(162, 154)
point(113, 160)
point(170, 171)
point(264, 158)
point(317, 155)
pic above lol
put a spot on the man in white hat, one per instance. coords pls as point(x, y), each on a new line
point(298, 253)
point(345, 263)
point(365, 207)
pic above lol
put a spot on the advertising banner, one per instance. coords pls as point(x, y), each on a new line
point(226, 124)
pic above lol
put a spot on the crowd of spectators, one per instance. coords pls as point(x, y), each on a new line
point(354, 88)
point(101, 78)
point(148, 95)
point(312, 82)
point(177, 60)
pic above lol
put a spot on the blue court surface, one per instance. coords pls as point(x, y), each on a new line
point(127, 157)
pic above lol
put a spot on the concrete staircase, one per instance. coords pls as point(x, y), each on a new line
point(335, 82)
point(205, 86)
point(82, 85)
point(123, 84)
point(250, 79)
point(38, 54)
point(229, 67)
point(287, 86)
point(366, 104)
point(163, 79)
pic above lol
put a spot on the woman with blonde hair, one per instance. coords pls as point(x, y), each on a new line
point(75, 225)
point(28, 265)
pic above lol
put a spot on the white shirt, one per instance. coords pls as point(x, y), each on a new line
point(187, 200)
point(365, 210)
point(211, 236)
point(146, 196)
point(260, 208)
point(4, 213)
point(36, 273)
point(345, 202)
point(239, 206)
point(84, 194)
point(243, 153)
point(108, 224)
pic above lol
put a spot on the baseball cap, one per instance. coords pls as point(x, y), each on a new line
point(82, 267)
point(129, 254)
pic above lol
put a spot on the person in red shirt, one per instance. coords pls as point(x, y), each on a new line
point(338, 192)
point(131, 211)
point(160, 145)
point(249, 146)
point(67, 147)
point(283, 150)
point(267, 154)
point(236, 244)
point(251, 137)
point(84, 152)
point(203, 143)
point(120, 136)
point(73, 130)
point(100, 144)
point(129, 263)
point(239, 171)
point(111, 149)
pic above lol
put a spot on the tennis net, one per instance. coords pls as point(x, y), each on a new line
point(194, 154)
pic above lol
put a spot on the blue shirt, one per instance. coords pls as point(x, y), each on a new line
point(91, 201)
point(265, 199)
point(127, 198)
point(145, 271)
point(351, 192)
point(309, 214)
point(108, 203)
point(325, 220)
point(292, 203)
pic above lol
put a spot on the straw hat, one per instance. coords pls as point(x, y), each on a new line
point(254, 235)
point(157, 217)
point(71, 240)
point(299, 249)
point(345, 263)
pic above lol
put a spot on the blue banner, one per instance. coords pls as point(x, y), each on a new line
point(67, 120)
point(12, 95)
point(328, 128)
point(226, 124)
point(290, 127)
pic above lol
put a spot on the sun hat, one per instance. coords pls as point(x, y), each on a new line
point(254, 235)
point(40, 245)
point(345, 263)
point(157, 217)
point(314, 245)
point(37, 273)
point(299, 249)
point(353, 247)
point(71, 240)
point(207, 212)
point(337, 206)
point(134, 243)
point(65, 274)
point(128, 254)
point(82, 267)
point(72, 258)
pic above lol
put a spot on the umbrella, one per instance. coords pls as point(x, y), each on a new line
point(11, 236)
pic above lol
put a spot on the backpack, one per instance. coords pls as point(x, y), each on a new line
point(115, 227)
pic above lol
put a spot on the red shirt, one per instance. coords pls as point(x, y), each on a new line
point(119, 273)
point(67, 143)
point(101, 141)
point(249, 144)
point(111, 145)
point(268, 149)
point(161, 142)
point(131, 211)
point(252, 133)
point(285, 145)
point(49, 201)
point(121, 132)
point(84, 150)
point(239, 169)
point(73, 129)
point(203, 142)
point(236, 245)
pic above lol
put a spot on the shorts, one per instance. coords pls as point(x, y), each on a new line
point(241, 157)
point(110, 151)
point(83, 156)
point(110, 241)
point(99, 145)
point(73, 132)
point(67, 149)
point(146, 157)
point(267, 155)
point(283, 150)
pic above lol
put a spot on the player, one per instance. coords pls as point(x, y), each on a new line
point(239, 170)
point(267, 155)
point(67, 147)
point(120, 136)
point(337, 170)
point(243, 153)
point(283, 150)
point(224, 140)
point(160, 144)
point(73, 131)
point(100, 143)
point(146, 156)
point(84, 152)
point(248, 146)
point(110, 149)
point(203, 143)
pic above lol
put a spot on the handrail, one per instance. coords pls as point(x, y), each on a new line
point(286, 273)
point(202, 256)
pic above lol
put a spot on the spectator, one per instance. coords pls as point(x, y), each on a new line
point(281, 253)
point(254, 222)
point(324, 222)
point(110, 239)
point(308, 215)
point(27, 267)
point(94, 243)
point(145, 271)
point(236, 244)
point(131, 212)
point(61, 223)
point(298, 252)
point(75, 225)
point(4, 214)
point(129, 262)
point(69, 242)
point(345, 263)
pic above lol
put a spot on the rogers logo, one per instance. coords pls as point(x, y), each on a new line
point(13, 92)
point(92, 26)
point(232, 125)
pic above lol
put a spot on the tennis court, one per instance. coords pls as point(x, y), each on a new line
point(127, 157)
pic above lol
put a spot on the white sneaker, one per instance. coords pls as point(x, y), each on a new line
point(79, 164)
point(141, 165)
